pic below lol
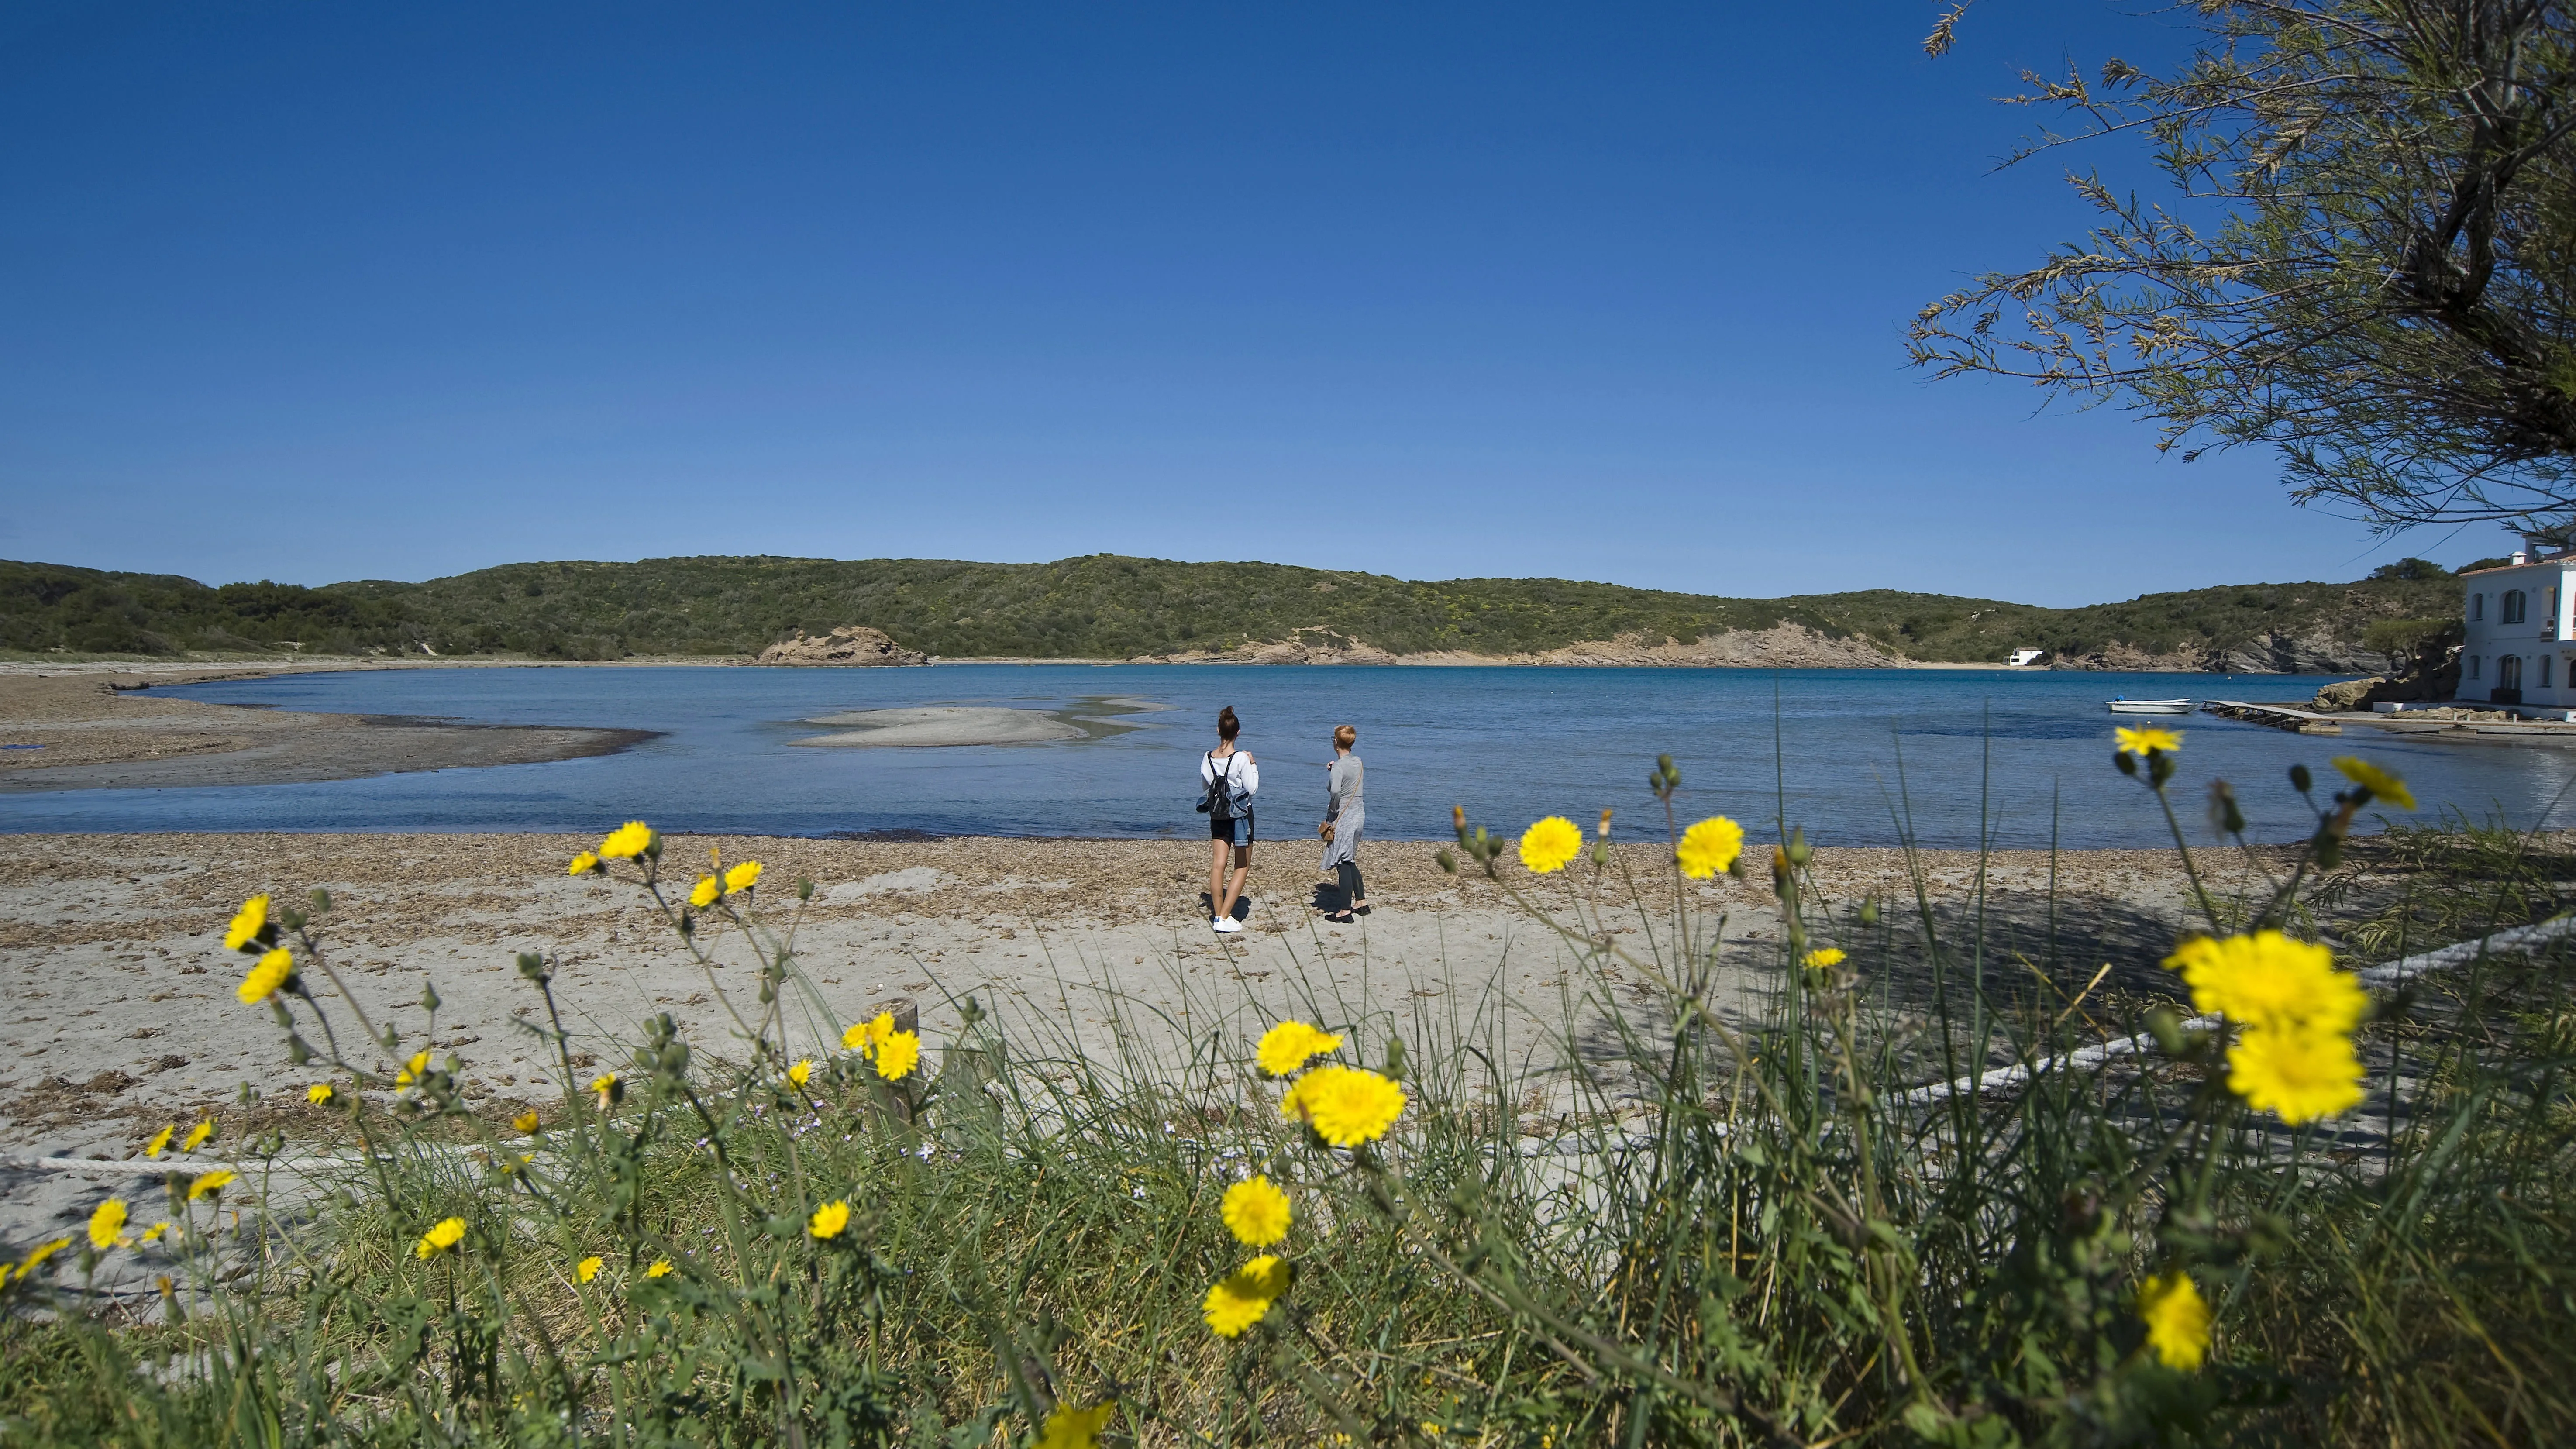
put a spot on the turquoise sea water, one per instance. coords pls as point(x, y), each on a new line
point(1848, 753)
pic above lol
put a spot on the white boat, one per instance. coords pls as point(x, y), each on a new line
point(2151, 706)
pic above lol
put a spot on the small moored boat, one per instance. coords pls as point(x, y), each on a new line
point(2151, 706)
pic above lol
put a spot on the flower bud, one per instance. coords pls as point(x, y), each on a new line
point(2300, 779)
point(1448, 861)
point(321, 900)
point(1869, 911)
point(428, 997)
point(2122, 761)
point(1799, 852)
point(296, 1051)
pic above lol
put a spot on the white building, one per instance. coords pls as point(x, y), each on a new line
point(2022, 657)
point(2519, 648)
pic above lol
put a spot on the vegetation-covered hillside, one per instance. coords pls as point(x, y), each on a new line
point(1106, 606)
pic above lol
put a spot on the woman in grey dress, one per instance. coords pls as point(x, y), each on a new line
point(1345, 814)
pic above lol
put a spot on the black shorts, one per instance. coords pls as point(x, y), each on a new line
point(1238, 830)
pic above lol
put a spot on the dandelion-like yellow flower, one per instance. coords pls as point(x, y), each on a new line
point(584, 863)
point(2268, 979)
point(215, 1181)
point(1551, 844)
point(801, 1073)
point(2298, 1074)
point(248, 922)
point(661, 1268)
point(863, 1037)
point(627, 841)
point(266, 976)
point(1346, 1105)
point(2146, 740)
point(42, 1251)
point(160, 1141)
point(1289, 1045)
point(898, 1055)
point(153, 1233)
point(586, 1269)
point(413, 1070)
point(742, 877)
point(2381, 784)
point(1824, 958)
point(2177, 1319)
point(607, 1089)
point(320, 1094)
point(1243, 1297)
point(1256, 1212)
point(526, 1122)
point(107, 1223)
point(829, 1220)
point(197, 1135)
point(1709, 848)
point(704, 893)
point(1072, 1428)
point(444, 1235)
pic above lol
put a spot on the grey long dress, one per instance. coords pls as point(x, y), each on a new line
point(1346, 811)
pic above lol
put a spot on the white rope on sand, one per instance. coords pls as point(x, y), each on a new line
point(2515, 940)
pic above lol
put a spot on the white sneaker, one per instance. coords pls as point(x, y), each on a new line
point(1227, 925)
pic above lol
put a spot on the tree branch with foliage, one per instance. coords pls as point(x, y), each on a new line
point(2365, 258)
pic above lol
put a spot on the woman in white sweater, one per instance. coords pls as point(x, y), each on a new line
point(1229, 776)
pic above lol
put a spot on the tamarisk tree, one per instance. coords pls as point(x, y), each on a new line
point(2365, 255)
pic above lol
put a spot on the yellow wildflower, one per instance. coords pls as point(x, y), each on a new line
point(215, 1181)
point(413, 1070)
point(802, 1072)
point(1256, 1212)
point(197, 1135)
point(704, 893)
point(1824, 958)
point(586, 1269)
point(2177, 1319)
point(106, 1223)
point(2298, 1074)
point(608, 1089)
point(320, 1094)
point(829, 1220)
point(526, 1122)
point(661, 1269)
point(1072, 1428)
point(1243, 1298)
point(1286, 1047)
point(863, 1037)
point(1346, 1105)
point(265, 977)
point(898, 1055)
point(153, 1233)
point(2381, 784)
point(584, 863)
point(2268, 979)
point(445, 1235)
point(742, 877)
point(1551, 844)
point(27, 1265)
point(248, 922)
point(2146, 740)
point(1710, 847)
point(627, 841)
point(160, 1141)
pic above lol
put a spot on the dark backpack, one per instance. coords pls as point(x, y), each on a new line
point(1218, 802)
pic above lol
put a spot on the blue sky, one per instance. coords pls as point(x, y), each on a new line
point(319, 292)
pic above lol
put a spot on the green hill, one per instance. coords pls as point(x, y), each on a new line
point(1107, 606)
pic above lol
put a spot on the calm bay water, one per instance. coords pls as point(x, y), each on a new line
point(2030, 753)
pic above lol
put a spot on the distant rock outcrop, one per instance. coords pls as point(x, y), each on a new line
point(2272, 653)
point(849, 644)
point(1782, 646)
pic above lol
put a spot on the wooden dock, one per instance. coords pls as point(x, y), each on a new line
point(2278, 716)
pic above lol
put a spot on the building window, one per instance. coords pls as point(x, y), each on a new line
point(2544, 671)
point(2512, 611)
point(2508, 670)
point(2473, 666)
point(2477, 608)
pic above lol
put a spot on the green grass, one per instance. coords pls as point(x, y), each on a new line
point(1680, 1229)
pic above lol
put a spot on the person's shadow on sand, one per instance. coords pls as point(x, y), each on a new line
point(1242, 907)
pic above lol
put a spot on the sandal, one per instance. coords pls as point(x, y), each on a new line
point(1338, 918)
